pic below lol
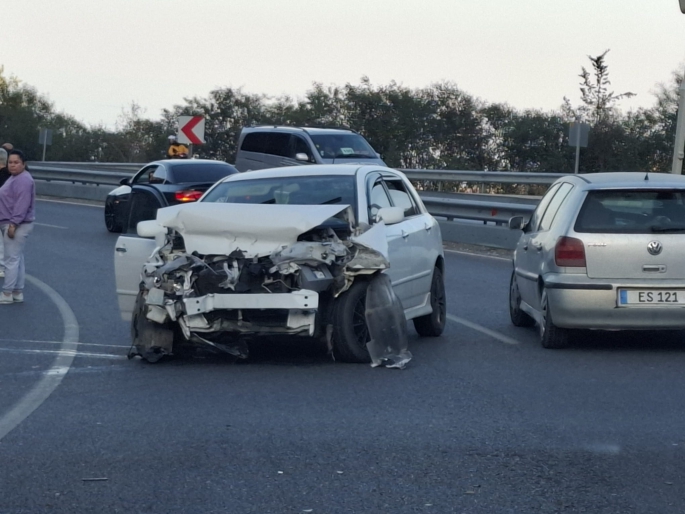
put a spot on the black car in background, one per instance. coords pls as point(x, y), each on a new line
point(160, 184)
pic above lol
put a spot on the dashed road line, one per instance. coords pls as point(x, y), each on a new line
point(50, 226)
point(475, 326)
point(479, 255)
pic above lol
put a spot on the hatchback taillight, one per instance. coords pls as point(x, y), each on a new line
point(569, 252)
point(188, 196)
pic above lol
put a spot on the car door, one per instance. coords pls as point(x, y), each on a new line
point(401, 248)
point(421, 229)
point(524, 263)
point(130, 253)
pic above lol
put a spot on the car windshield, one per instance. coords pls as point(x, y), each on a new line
point(201, 172)
point(632, 211)
point(343, 146)
point(304, 190)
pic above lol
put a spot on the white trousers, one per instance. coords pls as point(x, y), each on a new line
point(14, 256)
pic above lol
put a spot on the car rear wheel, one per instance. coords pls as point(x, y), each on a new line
point(112, 221)
point(433, 324)
point(551, 336)
point(350, 333)
point(518, 317)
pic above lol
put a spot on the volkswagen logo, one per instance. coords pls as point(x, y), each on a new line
point(654, 247)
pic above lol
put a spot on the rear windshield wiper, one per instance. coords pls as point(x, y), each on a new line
point(666, 229)
point(332, 200)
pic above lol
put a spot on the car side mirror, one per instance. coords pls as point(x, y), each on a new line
point(390, 215)
point(150, 228)
point(516, 223)
point(124, 181)
point(302, 157)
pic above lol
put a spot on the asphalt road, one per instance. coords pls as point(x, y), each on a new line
point(482, 420)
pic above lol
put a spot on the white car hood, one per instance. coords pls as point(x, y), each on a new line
point(257, 230)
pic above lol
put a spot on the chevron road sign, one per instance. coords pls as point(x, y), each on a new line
point(191, 130)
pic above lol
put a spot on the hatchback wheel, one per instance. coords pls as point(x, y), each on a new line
point(551, 336)
point(433, 324)
point(518, 317)
point(350, 333)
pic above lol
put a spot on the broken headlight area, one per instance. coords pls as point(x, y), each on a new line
point(219, 301)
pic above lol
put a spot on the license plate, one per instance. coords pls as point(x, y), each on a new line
point(651, 297)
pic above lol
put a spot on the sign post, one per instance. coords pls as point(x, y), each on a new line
point(679, 146)
point(577, 136)
point(44, 138)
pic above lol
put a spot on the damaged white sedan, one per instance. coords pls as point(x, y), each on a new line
point(287, 251)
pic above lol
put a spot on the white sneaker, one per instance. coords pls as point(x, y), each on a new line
point(2, 273)
point(18, 297)
point(6, 298)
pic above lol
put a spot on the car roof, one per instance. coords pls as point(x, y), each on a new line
point(309, 130)
point(187, 162)
point(627, 180)
point(309, 170)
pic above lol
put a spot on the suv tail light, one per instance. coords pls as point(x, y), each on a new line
point(569, 252)
point(188, 196)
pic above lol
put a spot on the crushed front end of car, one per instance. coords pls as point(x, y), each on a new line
point(223, 274)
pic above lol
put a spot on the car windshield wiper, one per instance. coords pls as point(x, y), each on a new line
point(271, 200)
point(337, 199)
point(353, 156)
point(661, 228)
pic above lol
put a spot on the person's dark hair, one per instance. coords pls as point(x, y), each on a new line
point(19, 154)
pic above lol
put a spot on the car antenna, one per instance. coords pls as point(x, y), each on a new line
point(647, 175)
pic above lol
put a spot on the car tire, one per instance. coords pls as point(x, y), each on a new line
point(150, 340)
point(551, 336)
point(348, 318)
point(112, 221)
point(433, 324)
point(518, 317)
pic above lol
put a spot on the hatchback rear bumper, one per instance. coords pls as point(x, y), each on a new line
point(579, 302)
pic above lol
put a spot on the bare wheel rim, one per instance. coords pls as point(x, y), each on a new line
point(109, 216)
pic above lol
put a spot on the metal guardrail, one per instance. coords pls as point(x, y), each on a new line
point(93, 181)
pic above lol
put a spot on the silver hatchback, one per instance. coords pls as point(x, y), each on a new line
point(602, 251)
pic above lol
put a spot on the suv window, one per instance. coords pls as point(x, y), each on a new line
point(254, 142)
point(632, 211)
point(553, 207)
point(300, 146)
point(277, 144)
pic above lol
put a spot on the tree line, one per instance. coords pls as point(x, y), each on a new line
point(434, 127)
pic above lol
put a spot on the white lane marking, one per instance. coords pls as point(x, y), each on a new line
point(126, 346)
point(44, 388)
point(479, 255)
point(475, 326)
point(73, 353)
point(46, 225)
point(70, 203)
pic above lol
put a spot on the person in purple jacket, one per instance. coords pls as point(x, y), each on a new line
point(17, 213)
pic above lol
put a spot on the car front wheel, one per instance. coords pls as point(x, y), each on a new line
point(433, 324)
point(551, 336)
point(350, 333)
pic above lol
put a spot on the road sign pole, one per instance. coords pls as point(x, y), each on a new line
point(45, 144)
point(679, 146)
point(577, 127)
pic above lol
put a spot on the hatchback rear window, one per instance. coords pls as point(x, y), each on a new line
point(632, 211)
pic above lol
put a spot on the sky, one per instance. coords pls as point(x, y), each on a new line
point(93, 58)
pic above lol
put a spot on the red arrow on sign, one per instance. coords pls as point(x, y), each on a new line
point(193, 128)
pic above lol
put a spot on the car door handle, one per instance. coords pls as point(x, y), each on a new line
point(405, 234)
point(538, 246)
point(120, 249)
point(525, 247)
point(428, 227)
